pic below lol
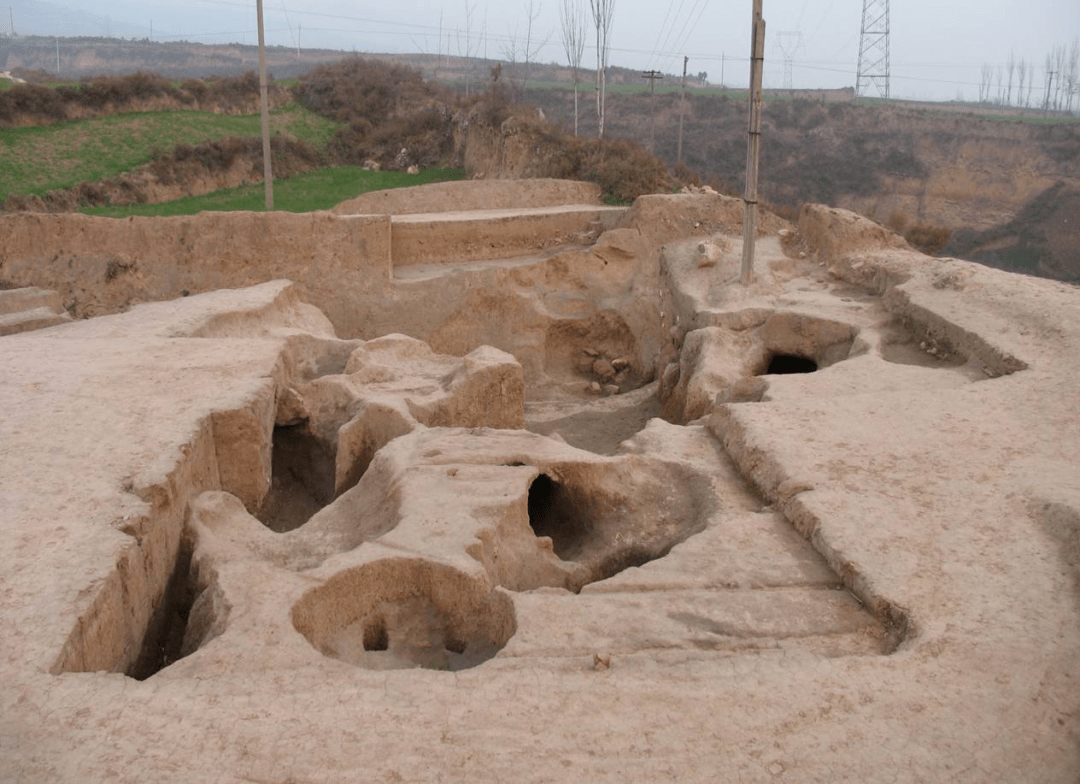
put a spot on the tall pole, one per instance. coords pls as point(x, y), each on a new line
point(753, 151)
point(682, 106)
point(264, 108)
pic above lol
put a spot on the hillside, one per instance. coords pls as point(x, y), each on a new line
point(927, 173)
point(950, 181)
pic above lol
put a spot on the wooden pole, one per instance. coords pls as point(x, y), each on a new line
point(753, 151)
point(264, 108)
point(682, 107)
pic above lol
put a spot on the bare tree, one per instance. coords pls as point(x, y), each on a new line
point(986, 81)
point(1021, 78)
point(510, 51)
point(602, 13)
point(470, 48)
point(1010, 69)
point(533, 42)
point(1031, 83)
point(1000, 88)
point(1071, 69)
point(572, 18)
point(1048, 101)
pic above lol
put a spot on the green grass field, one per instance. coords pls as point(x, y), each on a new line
point(317, 190)
point(37, 159)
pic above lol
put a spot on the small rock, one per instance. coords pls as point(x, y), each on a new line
point(592, 352)
point(708, 254)
point(291, 408)
point(619, 363)
point(414, 169)
point(785, 233)
point(603, 369)
point(610, 390)
point(594, 388)
point(802, 254)
point(601, 662)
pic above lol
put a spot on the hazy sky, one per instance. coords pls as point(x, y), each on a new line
point(938, 48)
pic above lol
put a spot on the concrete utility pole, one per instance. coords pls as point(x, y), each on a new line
point(682, 107)
point(652, 76)
point(753, 151)
point(264, 108)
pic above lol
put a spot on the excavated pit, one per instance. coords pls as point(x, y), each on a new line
point(600, 532)
point(302, 481)
point(406, 613)
point(552, 514)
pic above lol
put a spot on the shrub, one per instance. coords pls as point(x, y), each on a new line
point(927, 237)
point(387, 107)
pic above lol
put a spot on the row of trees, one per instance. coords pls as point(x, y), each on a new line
point(574, 22)
point(1014, 83)
point(522, 49)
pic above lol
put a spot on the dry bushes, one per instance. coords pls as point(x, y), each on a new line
point(25, 103)
point(623, 170)
point(927, 237)
point(388, 108)
point(288, 157)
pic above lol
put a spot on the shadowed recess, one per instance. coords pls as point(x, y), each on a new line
point(787, 364)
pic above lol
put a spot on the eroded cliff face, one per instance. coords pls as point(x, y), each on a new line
point(938, 167)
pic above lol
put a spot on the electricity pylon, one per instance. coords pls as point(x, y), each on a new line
point(790, 44)
point(874, 49)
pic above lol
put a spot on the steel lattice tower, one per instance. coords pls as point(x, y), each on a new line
point(874, 49)
point(790, 44)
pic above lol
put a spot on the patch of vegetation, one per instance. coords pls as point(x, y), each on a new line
point(105, 95)
point(38, 159)
point(384, 109)
point(928, 237)
point(316, 190)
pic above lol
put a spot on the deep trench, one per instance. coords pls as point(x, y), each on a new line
point(164, 637)
point(302, 482)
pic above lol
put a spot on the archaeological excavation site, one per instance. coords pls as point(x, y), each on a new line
point(532, 490)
